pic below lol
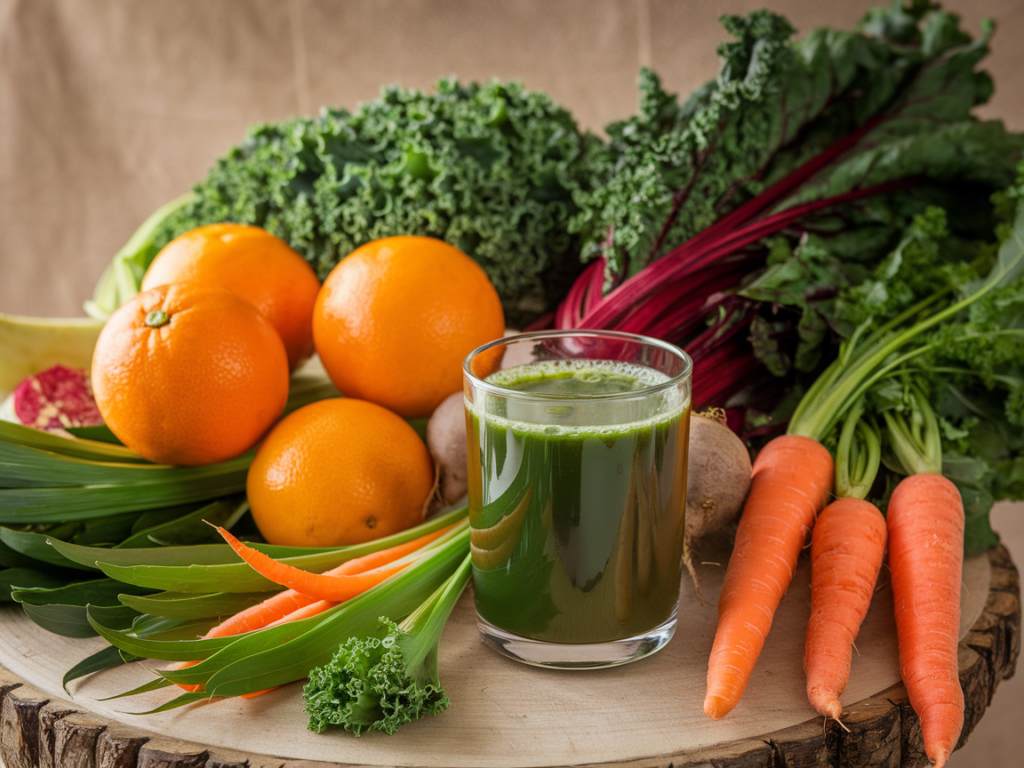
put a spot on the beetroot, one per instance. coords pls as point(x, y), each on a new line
point(56, 398)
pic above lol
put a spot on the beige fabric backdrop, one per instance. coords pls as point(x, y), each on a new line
point(109, 108)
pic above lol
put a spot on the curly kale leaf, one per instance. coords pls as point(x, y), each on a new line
point(383, 683)
point(674, 162)
point(491, 168)
point(368, 686)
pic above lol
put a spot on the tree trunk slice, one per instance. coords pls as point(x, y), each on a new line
point(41, 731)
point(119, 745)
point(76, 739)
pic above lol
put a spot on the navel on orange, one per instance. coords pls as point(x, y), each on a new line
point(253, 263)
point(338, 472)
point(395, 319)
point(187, 375)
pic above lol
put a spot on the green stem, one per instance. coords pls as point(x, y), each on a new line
point(817, 415)
point(427, 622)
point(858, 455)
point(917, 442)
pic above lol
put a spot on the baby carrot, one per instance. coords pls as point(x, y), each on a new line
point(846, 556)
point(319, 586)
point(313, 609)
point(792, 478)
point(926, 540)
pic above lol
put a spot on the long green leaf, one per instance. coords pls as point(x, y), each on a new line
point(185, 650)
point(238, 576)
point(85, 502)
point(96, 592)
point(40, 468)
point(11, 558)
point(191, 528)
point(37, 547)
point(105, 530)
point(13, 579)
point(93, 450)
point(154, 517)
point(63, 610)
point(200, 554)
point(73, 620)
point(153, 685)
point(185, 698)
point(160, 628)
point(100, 433)
point(107, 658)
point(184, 605)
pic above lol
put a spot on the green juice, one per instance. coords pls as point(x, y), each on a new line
point(576, 505)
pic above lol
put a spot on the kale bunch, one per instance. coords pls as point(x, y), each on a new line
point(490, 168)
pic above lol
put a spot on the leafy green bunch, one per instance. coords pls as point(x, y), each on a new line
point(490, 168)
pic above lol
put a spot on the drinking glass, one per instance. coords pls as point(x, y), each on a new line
point(577, 445)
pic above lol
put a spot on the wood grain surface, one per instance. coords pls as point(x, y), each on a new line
point(506, 714)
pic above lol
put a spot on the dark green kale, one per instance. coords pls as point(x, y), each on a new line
point(490, 168)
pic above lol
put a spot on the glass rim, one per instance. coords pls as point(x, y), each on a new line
point(501, 391)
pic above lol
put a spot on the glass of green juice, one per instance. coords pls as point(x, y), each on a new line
point(577, 446)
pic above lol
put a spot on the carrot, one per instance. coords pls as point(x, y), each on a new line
point(846, 556)
point(313, 609)
point(926, 539)
point(319, 586)
point(792, 478)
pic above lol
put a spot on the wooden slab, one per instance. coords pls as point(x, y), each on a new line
point(506, 714)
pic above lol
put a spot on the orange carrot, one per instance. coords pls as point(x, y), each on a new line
point(926, 540)
point(319, 586)
point(846, 556)
point(792, 479)
point(313, 609)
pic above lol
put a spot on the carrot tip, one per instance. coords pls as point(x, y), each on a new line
point(717, 707)
point(829, 708)
point(940, 759)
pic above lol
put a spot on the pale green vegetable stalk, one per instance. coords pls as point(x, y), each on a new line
point(122, 278)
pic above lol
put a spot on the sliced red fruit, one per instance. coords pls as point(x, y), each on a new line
point(57, 398)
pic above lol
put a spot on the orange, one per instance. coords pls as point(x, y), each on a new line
point(256, 265)
point(187, 375)
point(339, 472)
point(395, 319)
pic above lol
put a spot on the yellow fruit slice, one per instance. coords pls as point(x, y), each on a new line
point(29, 345)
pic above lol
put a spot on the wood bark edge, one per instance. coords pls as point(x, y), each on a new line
point(40, 731)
